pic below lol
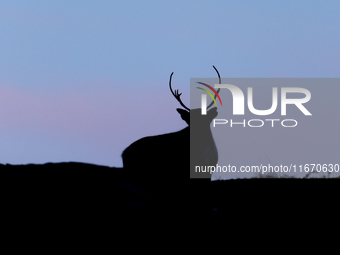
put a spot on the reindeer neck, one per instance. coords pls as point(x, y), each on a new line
point(203, 128)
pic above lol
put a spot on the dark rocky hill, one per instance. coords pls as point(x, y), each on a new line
point(58, 200)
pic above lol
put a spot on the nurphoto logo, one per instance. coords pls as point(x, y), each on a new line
point(238, 103)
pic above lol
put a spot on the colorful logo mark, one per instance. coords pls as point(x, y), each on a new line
point(210, 93)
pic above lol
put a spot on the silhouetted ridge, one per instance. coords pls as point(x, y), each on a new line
point(59, 199)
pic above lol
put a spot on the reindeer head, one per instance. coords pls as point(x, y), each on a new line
point(195, 113)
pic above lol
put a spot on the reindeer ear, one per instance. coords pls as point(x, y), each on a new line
point(184, 114)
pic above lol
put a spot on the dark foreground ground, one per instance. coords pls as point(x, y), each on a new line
point(65, 201)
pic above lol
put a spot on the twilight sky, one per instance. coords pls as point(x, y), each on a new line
point(81, 80)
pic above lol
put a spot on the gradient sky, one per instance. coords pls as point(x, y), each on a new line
point(81, 80)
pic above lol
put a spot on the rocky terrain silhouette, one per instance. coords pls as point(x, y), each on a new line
point(71, 199)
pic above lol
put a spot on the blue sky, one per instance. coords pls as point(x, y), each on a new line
point(81, 80)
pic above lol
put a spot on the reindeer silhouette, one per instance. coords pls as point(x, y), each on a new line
point(163, 160)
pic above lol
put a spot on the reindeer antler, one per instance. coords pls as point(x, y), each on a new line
point(218, 91)
point(176, 94)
